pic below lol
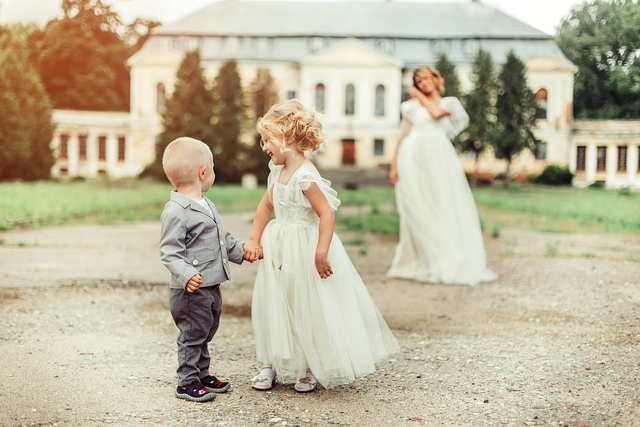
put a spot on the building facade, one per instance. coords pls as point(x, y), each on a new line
point(351, 61)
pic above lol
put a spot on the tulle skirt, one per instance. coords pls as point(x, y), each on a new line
point(300, 321)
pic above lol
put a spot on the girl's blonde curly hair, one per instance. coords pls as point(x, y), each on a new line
point(289, 122)
point(426, 73)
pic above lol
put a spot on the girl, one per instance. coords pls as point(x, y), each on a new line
point(313, 318)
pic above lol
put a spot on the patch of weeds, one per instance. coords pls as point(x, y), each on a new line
point(496, 228)
point(588, 254)
point(552, 248)
point(356, 240)
point(624, 192)
point(375, 209)
point(363, 250)
point(511, 246)
point(380, 223)
point(629, 257)
point(1, 242)
point(5, 227)
point(482, 224)
point(21, 244)
point(615, 249)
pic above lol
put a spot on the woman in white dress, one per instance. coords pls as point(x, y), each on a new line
point(440, 236)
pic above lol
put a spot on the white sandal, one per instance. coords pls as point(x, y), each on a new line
point(262, 381)
point(306, 384)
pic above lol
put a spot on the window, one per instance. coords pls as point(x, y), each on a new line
point(291, 94)
point(121, 148)
point(82, 155)
point(161, 98)
point(64, 146)
point(317, 43)
point(622, 158)
point(541, 154)
point(581, 158)
point(385, 45)
point(380, 101)
point(350, 100)
point(102, 148)
point(193, 43)
point(440, 46)
point(601, 159)
point(378, 147)
point(470, 47)
point(541, 99)
point(320, 97)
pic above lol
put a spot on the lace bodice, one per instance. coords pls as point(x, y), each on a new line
point(290, 205)
point(422, 121)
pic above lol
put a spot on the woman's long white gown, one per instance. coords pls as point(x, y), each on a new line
point(440, 236)
point(330, 325)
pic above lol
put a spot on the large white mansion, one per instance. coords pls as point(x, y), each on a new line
point(352, 61)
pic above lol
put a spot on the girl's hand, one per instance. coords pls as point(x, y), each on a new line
point(323, 265)
point(252, 251)
point(393, 175)
point(414, 92)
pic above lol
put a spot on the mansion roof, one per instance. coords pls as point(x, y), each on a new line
point(350, 19)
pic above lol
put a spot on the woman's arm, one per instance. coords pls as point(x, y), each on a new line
point(263, 214)
point(327, 220)
point(431, 105)
point(404, 131)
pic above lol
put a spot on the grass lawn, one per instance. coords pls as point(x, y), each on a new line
point(541, 208)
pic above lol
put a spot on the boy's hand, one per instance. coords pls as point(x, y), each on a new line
point(194, 283)
point(323, 265)
point(252, 251)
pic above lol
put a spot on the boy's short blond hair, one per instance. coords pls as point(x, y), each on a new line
point(183, 158)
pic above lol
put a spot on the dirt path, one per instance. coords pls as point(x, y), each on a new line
point(86, 338)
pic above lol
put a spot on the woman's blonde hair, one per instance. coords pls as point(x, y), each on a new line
point(427, 73)
point(291, 123)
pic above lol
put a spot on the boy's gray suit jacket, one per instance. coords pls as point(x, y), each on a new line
point(192, 242)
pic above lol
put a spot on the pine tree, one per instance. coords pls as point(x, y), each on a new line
point(263, 95)
point(230, 154)
point(26, 127)
point(480, 104)
point(515, 115)
point(448, 72)
point(189, 111)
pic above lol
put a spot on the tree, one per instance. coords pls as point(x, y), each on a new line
point(81, 57)
point(603, 39)
point(480, 104)
point(448, 72)
point(26, 127)
point(229, 124)
point(515, 115)
point(188, 112)
point(263, 96)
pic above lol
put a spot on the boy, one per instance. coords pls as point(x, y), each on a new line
point(196, 249)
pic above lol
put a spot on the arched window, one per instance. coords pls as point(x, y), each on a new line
point(380, 101)
point(320, 97)
point(161, 99)
point(350, 100)
point(541, 99)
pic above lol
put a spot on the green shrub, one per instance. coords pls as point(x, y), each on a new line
point(553, 175)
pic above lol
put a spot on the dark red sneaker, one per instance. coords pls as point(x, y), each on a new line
point(195, 392)
point(215, 385)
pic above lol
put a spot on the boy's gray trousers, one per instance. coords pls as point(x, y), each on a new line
point(197, 316)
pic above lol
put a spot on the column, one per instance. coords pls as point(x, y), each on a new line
point(632, 165)
point(592, 161)
point(365, 100)
point(73, 151)
point(112, 154)
point(334, 102)
point(612, 164)
point(92, 155)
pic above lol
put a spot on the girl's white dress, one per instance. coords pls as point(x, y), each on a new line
point(440, 236)
point(330, 325)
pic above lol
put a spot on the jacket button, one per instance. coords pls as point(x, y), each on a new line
point(195, 262)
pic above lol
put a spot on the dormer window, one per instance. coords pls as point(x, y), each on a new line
point(317, 43)
point(440, 46)
point(470, 47)
point(385, 45)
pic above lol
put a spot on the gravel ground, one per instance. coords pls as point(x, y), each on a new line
point(554, 341)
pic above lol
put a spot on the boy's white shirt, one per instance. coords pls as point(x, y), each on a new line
point(205, 205)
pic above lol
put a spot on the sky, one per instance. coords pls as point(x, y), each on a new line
point(544, 15)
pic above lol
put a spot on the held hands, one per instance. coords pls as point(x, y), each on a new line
point(252, 251)
point(323, 265)
point(194, 283)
